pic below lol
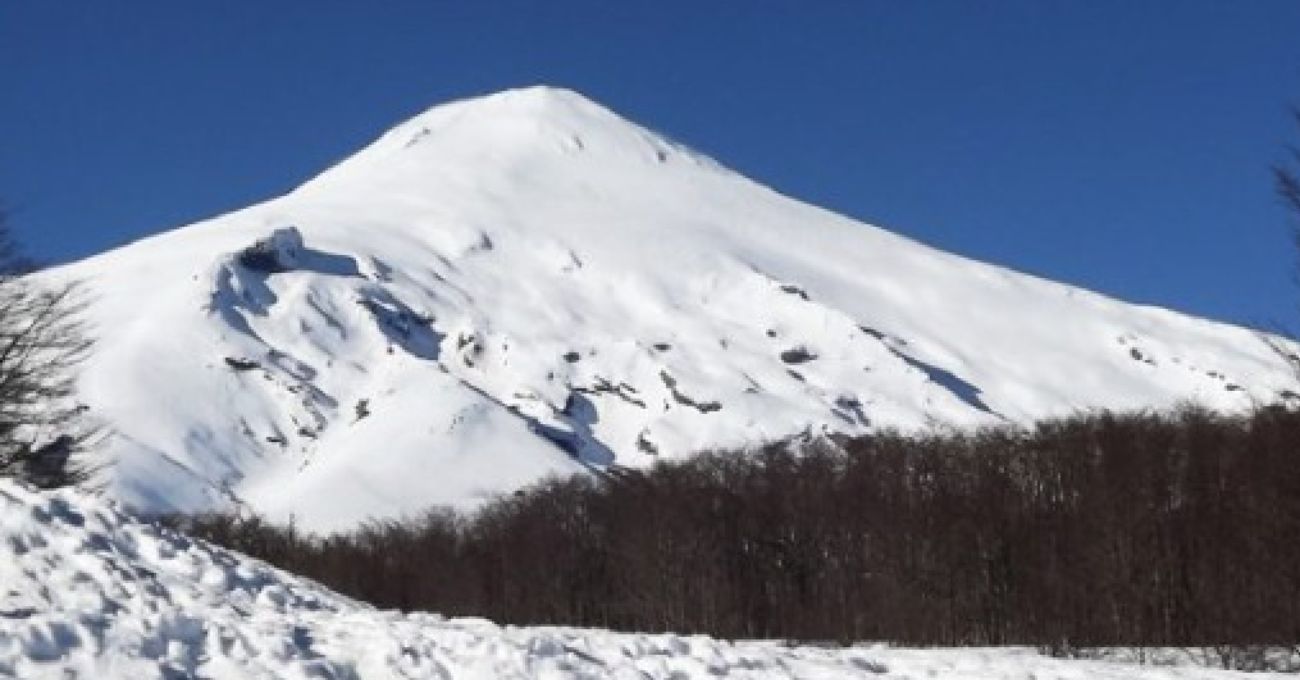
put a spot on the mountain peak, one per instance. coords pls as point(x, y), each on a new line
point(498, 131)
point(543, 103)
point(535, 95)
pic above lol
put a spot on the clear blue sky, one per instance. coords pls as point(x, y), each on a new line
point(1120, 145)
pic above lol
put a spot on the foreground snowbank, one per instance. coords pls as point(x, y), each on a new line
point(88, 592)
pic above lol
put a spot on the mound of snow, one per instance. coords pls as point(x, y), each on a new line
point(527, 284)
point(88, 592)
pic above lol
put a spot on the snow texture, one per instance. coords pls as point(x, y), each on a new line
point(526, 284)
point(87, 592)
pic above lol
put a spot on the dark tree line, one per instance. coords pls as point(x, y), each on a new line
point(1178, 529)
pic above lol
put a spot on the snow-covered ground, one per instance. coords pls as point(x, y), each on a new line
point(527, 284)
point(86, 592)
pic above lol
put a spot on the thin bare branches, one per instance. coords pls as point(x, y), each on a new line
point(1286, 176)
point(42, 341)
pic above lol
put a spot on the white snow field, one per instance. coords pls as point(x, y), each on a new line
point(526, 284)
point(88, 593)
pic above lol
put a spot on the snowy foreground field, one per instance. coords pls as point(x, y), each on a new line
point(88, 592)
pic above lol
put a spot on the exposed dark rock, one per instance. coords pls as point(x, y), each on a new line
point(572, 357)
point(850, 405)
point(701, 406)
point(240, 364)
point(888, 340)
point(797, 355)
point(1139, 356)
point(622, 391)
point(708, 406)
point(268, 255)
point(794, 290)
point(644, 445)
point(872, 332)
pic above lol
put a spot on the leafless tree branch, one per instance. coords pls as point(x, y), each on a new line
point(42, 341)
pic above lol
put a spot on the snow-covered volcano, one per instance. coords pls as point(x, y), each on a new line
point(526, 283)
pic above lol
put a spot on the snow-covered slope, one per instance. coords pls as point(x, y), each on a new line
point(87, 592)
point(527, 284)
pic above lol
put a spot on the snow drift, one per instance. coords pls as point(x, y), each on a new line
point(526, 284)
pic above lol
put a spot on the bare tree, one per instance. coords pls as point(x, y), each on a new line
point(1286, 181)
point(42, 341)
point(1286, 176)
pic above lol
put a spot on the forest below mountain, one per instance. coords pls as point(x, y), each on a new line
point(1106, 529)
